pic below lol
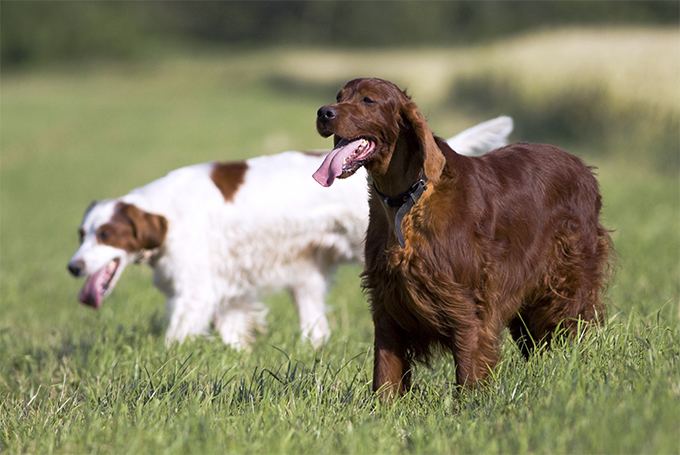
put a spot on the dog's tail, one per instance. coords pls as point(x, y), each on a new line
point(483, 138)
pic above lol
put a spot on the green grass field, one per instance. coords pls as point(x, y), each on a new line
point(74, 380)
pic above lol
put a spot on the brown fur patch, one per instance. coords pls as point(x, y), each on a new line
point(133, 229)
point(228, 177)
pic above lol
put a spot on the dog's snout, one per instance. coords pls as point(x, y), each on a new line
point(76, 267)
point(326, 113)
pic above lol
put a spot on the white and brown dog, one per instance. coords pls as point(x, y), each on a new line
point(220, 235)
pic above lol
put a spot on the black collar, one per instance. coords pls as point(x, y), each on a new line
point(403, 203)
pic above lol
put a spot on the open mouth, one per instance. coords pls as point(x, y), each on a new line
point(100, 284)
point(344, 160)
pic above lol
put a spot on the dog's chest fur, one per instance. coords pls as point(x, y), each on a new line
point(415, 292)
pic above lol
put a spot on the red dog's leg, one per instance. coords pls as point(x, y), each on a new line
point(391, 368)
point(476, 348)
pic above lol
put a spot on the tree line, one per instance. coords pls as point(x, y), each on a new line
point(41, 31)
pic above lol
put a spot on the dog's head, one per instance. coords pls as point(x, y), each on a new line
point(370, 120)
point(112, 235)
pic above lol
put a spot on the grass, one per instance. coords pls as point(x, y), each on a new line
point(75, 380)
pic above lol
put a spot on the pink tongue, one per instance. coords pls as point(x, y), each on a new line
point(332, 164)
point(93, 291)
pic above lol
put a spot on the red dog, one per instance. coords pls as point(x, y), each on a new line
point(458, 248)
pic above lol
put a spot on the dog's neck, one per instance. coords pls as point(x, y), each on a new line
point(404, 169)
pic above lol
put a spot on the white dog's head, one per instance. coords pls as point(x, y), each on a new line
point(112, 235)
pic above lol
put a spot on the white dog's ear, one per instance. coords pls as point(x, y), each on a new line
point(149, 229)
point(433, 159)
point(88, 210)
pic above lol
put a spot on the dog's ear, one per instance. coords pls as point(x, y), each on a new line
point(88, 210)
point(149, 230)
point(433, 159)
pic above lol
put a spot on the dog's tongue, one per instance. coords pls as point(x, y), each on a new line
point(332, 164)
point(92, 292)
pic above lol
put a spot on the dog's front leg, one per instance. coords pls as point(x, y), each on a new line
point(188, 317)
point(391, 368)
point(476, 346)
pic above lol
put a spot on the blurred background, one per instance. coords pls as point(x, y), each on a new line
point(100, 97)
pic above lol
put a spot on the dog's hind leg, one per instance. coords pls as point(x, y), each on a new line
point(476, 349)
point(571, 291)
point(557, 311)
point(536, 325)
point(309, 294)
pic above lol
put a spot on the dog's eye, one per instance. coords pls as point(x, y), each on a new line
point(338, 98)
point(102, 236)
point(368, 100)
point(81, 235)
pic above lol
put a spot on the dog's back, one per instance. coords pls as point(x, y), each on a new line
point(279, 217)
point(252, 221)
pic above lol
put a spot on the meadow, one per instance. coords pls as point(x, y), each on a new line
point(74, 380)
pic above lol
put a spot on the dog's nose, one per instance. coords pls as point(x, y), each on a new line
point(325, 113)
point(76, 267)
